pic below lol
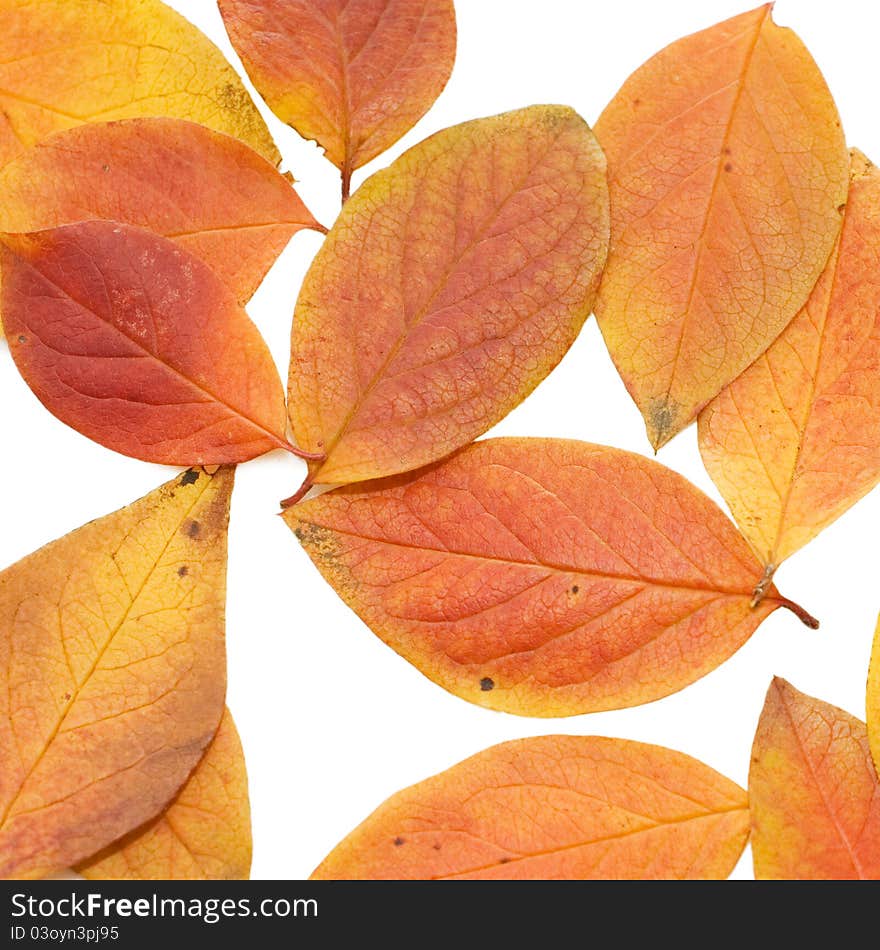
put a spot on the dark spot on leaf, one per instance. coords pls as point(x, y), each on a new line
point(67, 697)
point(193, 529)
point(189, 478)
point(105, 168)
point(299, 533)
point(575, 588)
point(486, 684)
point(636, 103)
point(504, 860)
point(728, 167)
point(182, 571)
point(398, 842)
point(436, 845)
point(841, 208)
point(22, 339)
point(726, 150)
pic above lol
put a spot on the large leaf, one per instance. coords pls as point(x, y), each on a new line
point(813, 791)
point(137, 344)
point(203, 834)
point(66, 62)
point(541, 576)
point(728, 172)
point(450, 286)
point(795, 441)
point(112, 672)
point(209, 192)
point(554, 807)
point(354, 75)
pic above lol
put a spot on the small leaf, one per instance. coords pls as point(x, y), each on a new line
point(814, 794)
point(550, 808)
point(204, 834)
point(137, 344)
point(542, 577)
point(207, 191)
point(354, 76)
point(795, 441)
point(726, 167)
point(873, 700)
point(64, 62)
point(450, 286)
point(112, 673)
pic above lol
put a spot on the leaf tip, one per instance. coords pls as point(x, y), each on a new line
point(662, 421)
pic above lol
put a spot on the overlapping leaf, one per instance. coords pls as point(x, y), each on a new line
point(204, 834)
point(813, 791)
point(450, 286)
point(354, 75)
point(543, 577)
point(795, 441)
point(554, 807)
point(207, 191)
point(66, 62)
point(873, 700)
point(137, 344)
point(727, 169)
point(112, 673)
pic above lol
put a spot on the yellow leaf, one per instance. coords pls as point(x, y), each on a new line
point(112, 672)
point(66, 62)
point(204, 834)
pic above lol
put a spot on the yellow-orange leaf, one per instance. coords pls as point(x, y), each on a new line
point(112, 672)
point(209, 192)
point(204, 834)
point(66, 62)
point(727, 166)
point(873, 700)
point(354, 75)
point(813, 791)
point(795, 441)
point(554, 807)
point(543, 577)
point(450, 286)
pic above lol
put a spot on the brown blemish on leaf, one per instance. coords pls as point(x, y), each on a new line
point(189, 477)
point(193, 529)
point(182, 571)
point(398, 841)
point(486, 684)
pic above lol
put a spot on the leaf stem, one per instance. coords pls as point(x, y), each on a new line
point(346, 182)
point(805, 618)
point(299, 494)
point(302, 454)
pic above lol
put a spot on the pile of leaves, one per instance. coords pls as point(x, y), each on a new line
point(726, 239)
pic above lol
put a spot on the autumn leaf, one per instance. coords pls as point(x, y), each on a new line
point(203, 834)
point(207, 191)
point(64, 62)
point(135, 343)
point(795, 441)
point(543, 577)
point(450, 286)
point(112, 672)
point(813, 791)
point(873, 700)
point(354, 75)
point(727, 170)
point(554, 807)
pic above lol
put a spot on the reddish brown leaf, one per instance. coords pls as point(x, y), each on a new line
point(354, 75)
point(543, 577)
point(450, 286)
point(137, 344)
point(813, 791)
point(554, 807)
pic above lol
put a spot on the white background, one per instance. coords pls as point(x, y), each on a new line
point(333, 721)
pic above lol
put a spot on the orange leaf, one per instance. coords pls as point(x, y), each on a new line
point(204, 834)
point(450, 286)
point(727, 166)
point(813, 791)
point(554, 807)
point(873, 700)
point(209, 192)
point(354, 75)
point(542, 577)
point(65, 62)
point(112, 672)
point(138, 345)
point(795, 441)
